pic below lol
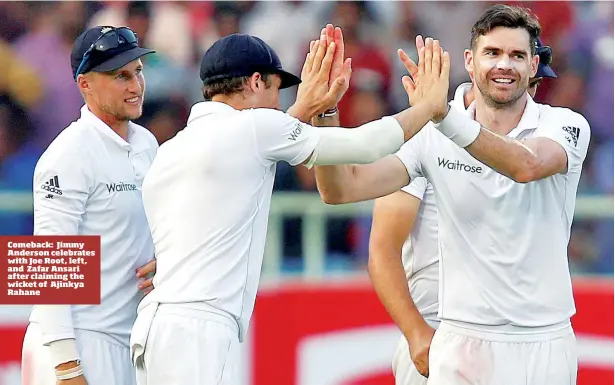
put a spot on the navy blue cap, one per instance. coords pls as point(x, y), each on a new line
point(106, 61)
point(544, 69)
point(239, 55)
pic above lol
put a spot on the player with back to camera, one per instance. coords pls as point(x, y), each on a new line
point(222, 167)
point(403, 259)
point(505, 174)
point(74, 195)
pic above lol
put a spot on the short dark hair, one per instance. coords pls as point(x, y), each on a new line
point(507, 16)
point(230, 86)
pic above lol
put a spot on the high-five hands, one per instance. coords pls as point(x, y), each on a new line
point(341, 68)
point(325, 76)
point(429, 81)
point(314, 96)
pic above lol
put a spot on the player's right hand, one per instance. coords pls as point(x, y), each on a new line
point(429, 81)
point(73, 381)
point(419, 343)
point(341, 66)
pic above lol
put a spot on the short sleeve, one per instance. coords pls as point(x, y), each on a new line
point(281, 137)
point(61, 189)
point(570, 130)
point(416, 187)
point(410, 155)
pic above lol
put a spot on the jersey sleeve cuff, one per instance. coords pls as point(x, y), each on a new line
point(63, 351)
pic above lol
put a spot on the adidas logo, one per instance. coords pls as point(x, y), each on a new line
point(52, 185)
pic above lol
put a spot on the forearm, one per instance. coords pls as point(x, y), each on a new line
point(64, 353)
point(56, 324)
point(389, 281)
point(413, 119)
point(330, 180)
point(505, 155)
point(56, 321)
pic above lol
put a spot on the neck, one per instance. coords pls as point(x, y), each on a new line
point(499, 120)
point(238, 101)
point(118, 126)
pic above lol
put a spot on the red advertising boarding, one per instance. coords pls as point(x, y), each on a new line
point(338, 333)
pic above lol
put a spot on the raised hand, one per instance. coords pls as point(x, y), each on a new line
point(341, 69)
point(314, 95)
point(429, 81)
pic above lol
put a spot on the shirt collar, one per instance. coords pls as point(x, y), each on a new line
point(460, 93)
point(202, 109)
point(529, 119)
point(136, 142)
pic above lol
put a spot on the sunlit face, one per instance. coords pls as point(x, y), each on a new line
point(264, 96)
point(117, 94)
point(502, 64)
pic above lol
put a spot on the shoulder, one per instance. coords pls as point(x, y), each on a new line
point(272, 123)
point(268, 115)
point(561, 116)
point(74, 141)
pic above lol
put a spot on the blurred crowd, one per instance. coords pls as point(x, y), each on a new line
point(38, 97)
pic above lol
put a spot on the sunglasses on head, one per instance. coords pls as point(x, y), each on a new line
point(109, 39)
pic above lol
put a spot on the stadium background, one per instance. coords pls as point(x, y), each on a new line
point(317, 320)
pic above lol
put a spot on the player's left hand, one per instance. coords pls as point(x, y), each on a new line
point(419, 344)
point(147, 272)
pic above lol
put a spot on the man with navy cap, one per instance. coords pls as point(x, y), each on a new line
point(208, 192)
point(88, 182)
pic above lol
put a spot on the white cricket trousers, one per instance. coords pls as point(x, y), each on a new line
point(103, 362)
point(188, 346)
point(463, 356)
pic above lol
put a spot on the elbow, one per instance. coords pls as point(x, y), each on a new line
point(332, 198)
point(523, 176)
point(528, 171)
point(372, 263)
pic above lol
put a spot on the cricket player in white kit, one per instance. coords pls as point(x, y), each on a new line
point(208, 192)
point(505, 197)
point(404, 238)
point(88, 182)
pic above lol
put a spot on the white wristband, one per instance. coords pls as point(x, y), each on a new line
point(458, 127)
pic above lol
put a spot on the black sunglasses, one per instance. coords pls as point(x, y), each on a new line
point(109, 39)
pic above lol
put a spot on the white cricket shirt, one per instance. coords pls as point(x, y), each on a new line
point(88, 182)
point(503, 244)
point(420, 251)
point(207, 198)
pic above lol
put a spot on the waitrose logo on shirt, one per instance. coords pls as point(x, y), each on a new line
point(456, 165)
point(119, 187)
